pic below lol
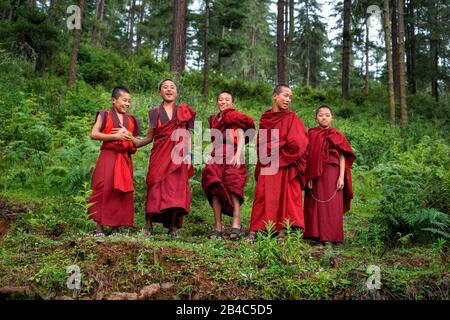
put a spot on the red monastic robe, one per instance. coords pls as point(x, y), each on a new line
point(222, 179)
point(112, 181)
point(278, 197)
point(324, 206)
point(168, 180)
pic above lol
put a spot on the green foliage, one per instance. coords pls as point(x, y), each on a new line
point(415, 193)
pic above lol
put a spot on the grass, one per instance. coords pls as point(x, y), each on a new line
point(33, 255)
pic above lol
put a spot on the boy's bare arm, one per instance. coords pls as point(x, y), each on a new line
point(144, 141)
point(115, 135)
point(236, 161)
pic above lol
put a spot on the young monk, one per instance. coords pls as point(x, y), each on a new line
point(329, 190)
point(112, 182)
point(278, 195)
point(169, 170)
point(225, 174)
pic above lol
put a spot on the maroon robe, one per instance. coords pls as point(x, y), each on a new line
point(167, 181)
point(222, 179)
point(324, 206)
point(112, 181)
point(278, 197)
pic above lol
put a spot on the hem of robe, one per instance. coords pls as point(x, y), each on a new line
point(158, 206)
point(109, 204)
point(215, 189)
point(165, 218)
point(262, 213)
point(220, 180)
point(325, 221)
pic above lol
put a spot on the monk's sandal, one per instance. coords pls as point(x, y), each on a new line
point(236, 233)
point(216, 234)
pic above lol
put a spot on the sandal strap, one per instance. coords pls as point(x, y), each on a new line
point(237, 231)
point(216, 233)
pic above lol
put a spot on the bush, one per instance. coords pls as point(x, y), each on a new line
point(416, 187)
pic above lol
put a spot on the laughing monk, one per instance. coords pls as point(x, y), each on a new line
point(278, 195)
point(225, 175)
point(169, 170)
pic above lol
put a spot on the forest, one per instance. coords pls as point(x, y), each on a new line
point(383, 66)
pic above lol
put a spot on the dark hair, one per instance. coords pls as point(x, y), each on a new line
point(324, 106)
point(117, 92)
point(279, 87)
point(167, 79)
point(227, 92)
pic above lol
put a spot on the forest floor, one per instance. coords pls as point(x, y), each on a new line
point(34, 262)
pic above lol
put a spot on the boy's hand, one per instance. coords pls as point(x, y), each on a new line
point(209, 159)
point(122, 134)
point(310, 184)
point(187, 158)
point(340, 183)
point(236, 161)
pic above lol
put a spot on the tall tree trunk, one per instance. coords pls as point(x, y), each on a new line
point(31, 4)
point(388, 44)
point(291, 29)
point(219, 55)
point(206, 53)
point(401, 69)
point(395, 60)
point(433, 12)
point(75, 48)
point(346, 51)
point(131, 33)
point(308, 73)
point(141, 21)
point(254, 66)
point(53, 4)
point(366, 80)
point(281, 45)
point(177, 59)
point(95, 28)
point(411, 50)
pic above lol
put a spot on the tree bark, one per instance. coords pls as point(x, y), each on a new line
point(281, 45)
point(433, 12)
point(31, 4)
point(366, 80)
point(346, 51)
point(206, 54)
point(411, 50)
point(388, 44)
point(141, 21)
point(401, 69)
point(95, 32)
point(177, 60)
point(53, 4)
point(75, 48)
point(395, 60)
point(291, 30)
point(131, 31)
point(254, 66)
point(308, 73)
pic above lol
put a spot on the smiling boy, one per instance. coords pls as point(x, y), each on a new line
point(278, 195)
point(112, 195)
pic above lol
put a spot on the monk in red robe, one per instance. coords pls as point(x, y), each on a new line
point(282, 149)
point(169, 170)
point(112, 182)
point(225, 173)
point(329, 190)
